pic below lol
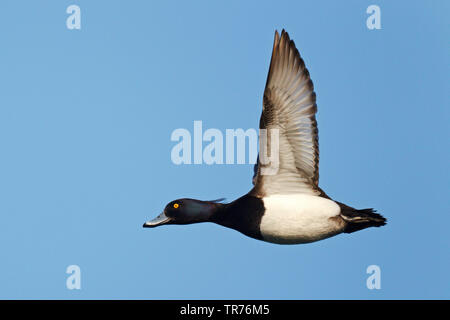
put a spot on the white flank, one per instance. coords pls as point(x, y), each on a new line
point(299, 218)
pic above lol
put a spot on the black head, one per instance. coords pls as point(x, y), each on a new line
point(185, 211)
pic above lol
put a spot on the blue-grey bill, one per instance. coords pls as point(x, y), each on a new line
point(159, 220)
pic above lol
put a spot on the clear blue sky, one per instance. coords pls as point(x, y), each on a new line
point(85, 123)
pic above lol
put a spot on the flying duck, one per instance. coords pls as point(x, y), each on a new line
point(285, 205)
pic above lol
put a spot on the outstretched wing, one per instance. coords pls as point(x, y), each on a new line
point(289, 106)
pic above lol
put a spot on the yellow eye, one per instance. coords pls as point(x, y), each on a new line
point(176, 205)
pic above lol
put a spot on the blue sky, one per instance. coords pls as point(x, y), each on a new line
point(86, 118)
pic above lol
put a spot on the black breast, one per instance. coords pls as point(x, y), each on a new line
point(243, 215)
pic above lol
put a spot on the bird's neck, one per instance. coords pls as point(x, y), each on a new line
point(243, 215)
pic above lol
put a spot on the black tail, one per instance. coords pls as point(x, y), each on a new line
point(360, 219)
